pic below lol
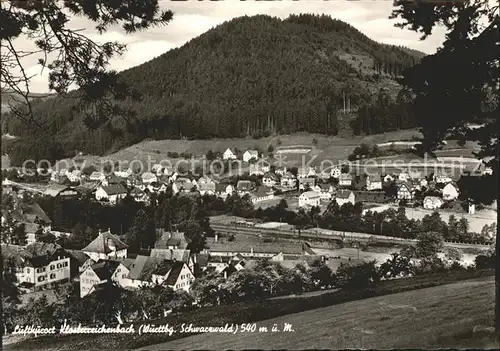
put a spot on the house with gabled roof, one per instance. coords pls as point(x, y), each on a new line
point(406, 190)
point(206, 188)
point(229, 155)
point(96, 275)
point(309, 198)
point(262, 193)
point(173, 274)
point(373, 182)
point(450, 192)
point(281, 171)
point(270, 179)
point(345, 196)
point(33, 217)
point(250, 155)
point(244, 187)
point(325, 190)
point(106, 246)
point(41, 264)
point(345, 179)
point(259, 168)
point(111, 193)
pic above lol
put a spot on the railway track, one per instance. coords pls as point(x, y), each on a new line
point(324, 234)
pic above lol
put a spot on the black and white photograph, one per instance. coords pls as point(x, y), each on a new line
point(231, 175)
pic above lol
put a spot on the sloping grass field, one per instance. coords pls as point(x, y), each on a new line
point(471, 302)
point(437, 317)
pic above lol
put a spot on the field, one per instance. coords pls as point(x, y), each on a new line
point(435, 317)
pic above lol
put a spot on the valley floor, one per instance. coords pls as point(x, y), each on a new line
point(442, 316)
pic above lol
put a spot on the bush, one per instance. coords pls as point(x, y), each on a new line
point(356, 277)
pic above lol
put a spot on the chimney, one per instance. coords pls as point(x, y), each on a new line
point(216, 237)
point(225, 274)
point(170, 235)
point(251, 250)
point(194, 258)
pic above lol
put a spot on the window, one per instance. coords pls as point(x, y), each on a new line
point(59, 265)
point(65, 264)
point(52, 276)
point(41, 279)
point(27, 270)
point(52, 267)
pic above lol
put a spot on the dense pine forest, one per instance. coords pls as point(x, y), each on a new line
point(247, 77)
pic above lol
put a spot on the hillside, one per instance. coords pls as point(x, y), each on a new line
point(438, 317)
point(247, 76)
point(11, 97)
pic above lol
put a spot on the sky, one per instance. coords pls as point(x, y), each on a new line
point(192, 18)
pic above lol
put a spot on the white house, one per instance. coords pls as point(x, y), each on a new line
point(345, 179)
point(433, 202)
point(330, 172)
point(374, 182)
point(96, 275)
point(326, 191)
point(388, 178)
point(309, 198)
point(424, 183)
point(281, 171)
point(250, 155)
point(228, 155)
point(106, 246)
point(111, 193)
point(270, 179)
point(344, 196)
point(42, 263)
point(450, 192)
point(244, 187)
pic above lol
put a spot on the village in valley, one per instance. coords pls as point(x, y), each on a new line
point(264, 173)
point(248, 221)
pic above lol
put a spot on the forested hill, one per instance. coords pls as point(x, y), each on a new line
point(247, 76)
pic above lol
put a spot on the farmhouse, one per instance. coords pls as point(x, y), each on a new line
point(433, 202)
point(344, 197)
point(256, 251)
point(345, 179)
point(229, 155)
point(326, 190)
point(450, 192)
point(404, 176)
point(111, 193)
point(331, 172)
point(374, 182)
point(270, 179)
point(259, 168)
point(106, 246)
point(250, 155)
point(309, 198)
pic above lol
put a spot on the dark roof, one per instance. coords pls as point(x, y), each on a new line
point(202, 259)
point(174, 273)
point(29, 213)
point(114, 189)
point(100, 244)
point(144, 267)
point(41, 254)
point(244, 185)
point(168, 238)
point(171, 254)
point(78, 255)
point(220, 187)
point(344, 194)
point(105, 269)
